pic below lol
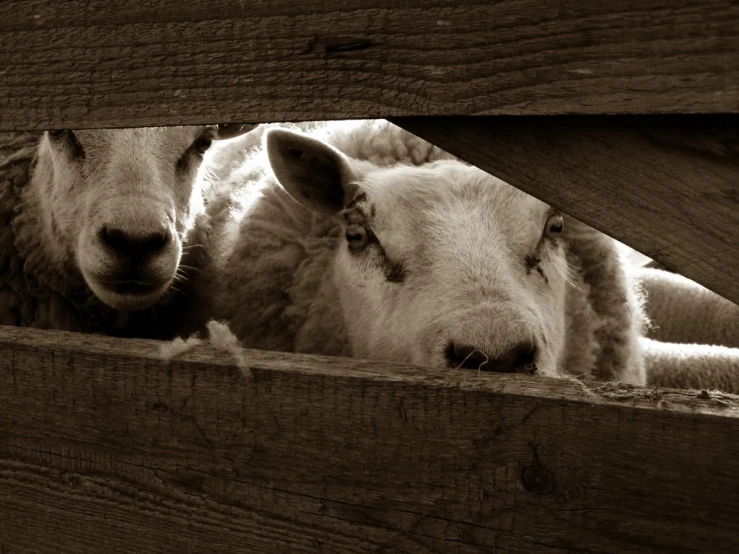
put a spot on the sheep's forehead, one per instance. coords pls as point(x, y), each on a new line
point(163, 143)
point(449, 202)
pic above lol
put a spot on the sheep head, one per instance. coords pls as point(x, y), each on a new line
point(119, 202)
point(439, 265)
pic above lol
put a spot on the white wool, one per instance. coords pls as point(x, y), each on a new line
point(178, 346)
point(693, 338)
point(692, 366)
point(682, 311)
point(220, 337)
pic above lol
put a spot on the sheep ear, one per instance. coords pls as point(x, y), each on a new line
point(230, 130)
point(312, 172)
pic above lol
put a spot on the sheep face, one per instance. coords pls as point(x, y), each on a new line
point(439, 265)
point(121, 201)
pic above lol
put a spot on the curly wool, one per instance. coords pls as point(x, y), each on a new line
point(692, 366)
point(220, 337)
point(274, 255)
point(683, 311)
point(693, 339)
point(16, 154)
point(617, 319)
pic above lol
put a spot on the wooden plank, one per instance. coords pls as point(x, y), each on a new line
point(668, 186)
point(105, 449)
point(105, 63)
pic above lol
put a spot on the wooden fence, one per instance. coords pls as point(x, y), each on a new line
point(104, 448)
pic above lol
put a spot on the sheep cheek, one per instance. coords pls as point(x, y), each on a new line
point(383, 321)
point(549, 305)
point(362, 299)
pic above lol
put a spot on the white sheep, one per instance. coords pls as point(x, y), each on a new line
point(96, 225)
point(435, 264)
point(682, 311)
point(282, 275)
point(693, 337)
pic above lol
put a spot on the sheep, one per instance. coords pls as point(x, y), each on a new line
point(691, 366)
point(692, 340)
point(273, 254)
point(96, 226)
point(358, 239)
point(683, 311)
point(693, 337)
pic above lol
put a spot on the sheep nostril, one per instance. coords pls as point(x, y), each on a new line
point(519, 359)
point(523, 358)
point(155, 242)
point(465, 356)
point(113, 238)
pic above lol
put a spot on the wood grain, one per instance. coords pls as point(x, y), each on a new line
point(104, 448)
point(105, 63)
point(668, 186)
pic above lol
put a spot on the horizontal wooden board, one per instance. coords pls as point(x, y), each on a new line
point(104, 448)
point(668, 186)
point(106, 63)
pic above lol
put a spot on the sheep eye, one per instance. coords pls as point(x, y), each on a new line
point(555, 226)
point(357, 237)
point(202, 144)
point(68, 139)
point(199, 146)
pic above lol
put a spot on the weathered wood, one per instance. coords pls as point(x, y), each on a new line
point(103, 448)
point(105, 63)
point(668, 186)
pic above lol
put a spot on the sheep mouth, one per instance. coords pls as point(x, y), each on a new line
point(128, 294)
point(131, 287)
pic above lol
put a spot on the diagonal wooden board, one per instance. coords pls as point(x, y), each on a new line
point(113, 63)
point(105, 448)
point(668, 186)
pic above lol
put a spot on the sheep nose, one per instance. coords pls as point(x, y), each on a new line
point(519, 359)
point(137, 246)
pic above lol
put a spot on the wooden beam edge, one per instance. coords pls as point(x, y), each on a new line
point(204, 359)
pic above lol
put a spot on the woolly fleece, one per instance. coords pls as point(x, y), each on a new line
point(683, 311)
point(693, 338)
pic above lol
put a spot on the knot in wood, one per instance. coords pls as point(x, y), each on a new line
point(537, 479)
point(346, 44)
